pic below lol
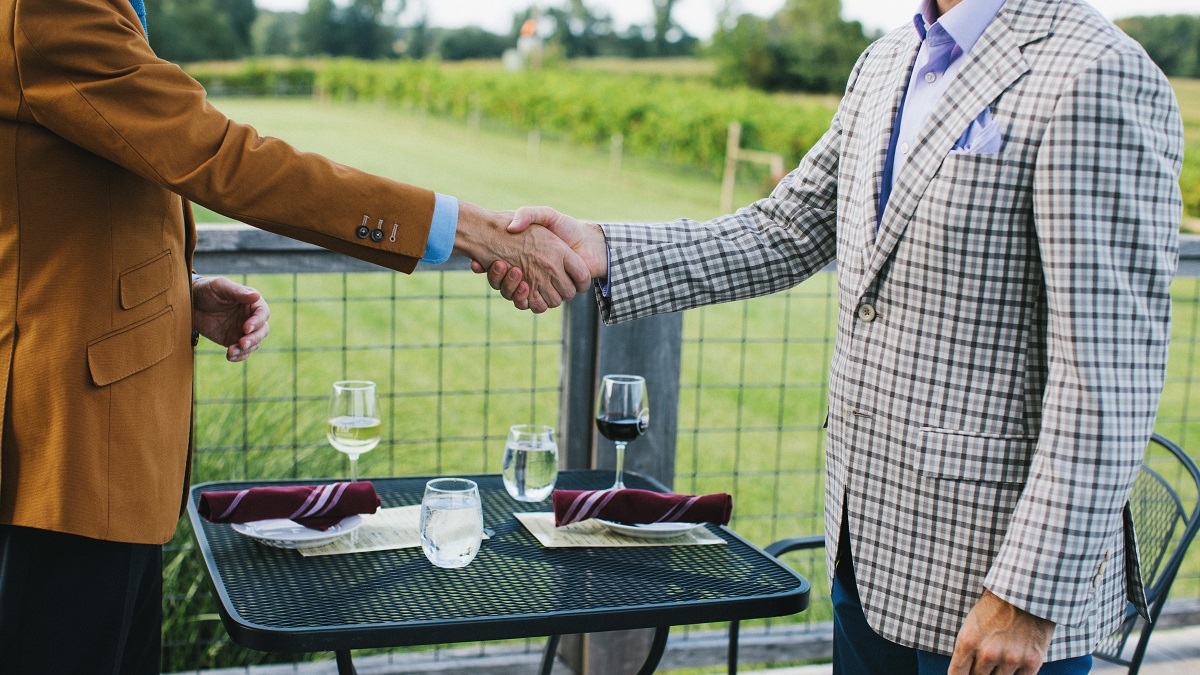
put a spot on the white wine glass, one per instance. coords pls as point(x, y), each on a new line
point(622, 415)
point(353, 425)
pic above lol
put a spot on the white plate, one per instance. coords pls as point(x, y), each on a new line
point(650, 530)
point(284, 533)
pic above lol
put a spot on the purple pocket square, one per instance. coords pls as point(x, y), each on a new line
point(983, 137)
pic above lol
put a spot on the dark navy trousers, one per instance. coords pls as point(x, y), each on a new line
point(858, 650)
point(71, 605)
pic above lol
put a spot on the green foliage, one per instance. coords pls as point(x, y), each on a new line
point(276, 33)
point(581, 31)
point(362, 29)
point(256, 78)
point(1172, 41)
point(681, 121)
point(472, 43)
point(1188, 93)
point(195, 30)
point(664, 24)
point(805, 46)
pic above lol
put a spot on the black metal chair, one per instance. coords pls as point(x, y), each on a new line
point(776, 549)
point(1164, 529)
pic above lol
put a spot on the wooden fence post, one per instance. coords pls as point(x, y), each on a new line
point(577, 407)
point(616, 148)
point(732, 144)
point(535, 143)
point(650, 348)
point(475, 116)
point(733, 154)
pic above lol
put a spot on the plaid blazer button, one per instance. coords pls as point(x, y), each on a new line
point(866, 312)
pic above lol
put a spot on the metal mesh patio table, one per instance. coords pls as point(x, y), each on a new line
point(279, 601)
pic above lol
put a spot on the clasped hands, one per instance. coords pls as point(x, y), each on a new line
point(536, 257)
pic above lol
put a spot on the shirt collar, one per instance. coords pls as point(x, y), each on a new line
point(965, 22)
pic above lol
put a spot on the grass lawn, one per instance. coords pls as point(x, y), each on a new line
point(1188, 94)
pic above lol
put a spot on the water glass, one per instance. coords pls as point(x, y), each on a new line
point(530, 465)
point(451, 522)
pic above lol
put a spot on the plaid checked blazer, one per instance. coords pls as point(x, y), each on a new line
point(1002, 340)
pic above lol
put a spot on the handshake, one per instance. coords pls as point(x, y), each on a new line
point(536, 257)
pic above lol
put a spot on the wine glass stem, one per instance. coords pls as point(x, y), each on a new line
point(620, 484)
point(353, 468)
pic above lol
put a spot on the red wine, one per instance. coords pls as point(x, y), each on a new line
point(619, 429)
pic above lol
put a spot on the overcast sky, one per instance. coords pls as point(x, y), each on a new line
point(698, 16)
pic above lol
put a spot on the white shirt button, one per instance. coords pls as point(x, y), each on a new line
point(904, 148)
point(930, 77)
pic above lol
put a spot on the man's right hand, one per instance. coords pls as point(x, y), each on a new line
point(585, 239)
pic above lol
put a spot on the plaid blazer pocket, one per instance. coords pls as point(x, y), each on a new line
point(961, 455)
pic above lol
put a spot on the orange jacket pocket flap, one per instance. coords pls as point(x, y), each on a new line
point(132, 349)
point(139, 284)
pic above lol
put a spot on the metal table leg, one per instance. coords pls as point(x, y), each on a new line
point(344, 664)
point(657, 647)
point(549, 654)
point(656, 650)
point(734, 627)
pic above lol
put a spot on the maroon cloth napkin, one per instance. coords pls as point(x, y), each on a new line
point(317, 506)
point(636, 507)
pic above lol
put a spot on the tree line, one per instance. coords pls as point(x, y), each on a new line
point(214, 30)
point(804, 46)
point(1173, 42)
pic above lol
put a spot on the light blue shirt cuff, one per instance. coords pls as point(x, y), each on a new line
point(604, 286)
point(442, 229)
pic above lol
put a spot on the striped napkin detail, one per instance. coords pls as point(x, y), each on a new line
point(317, 506)
point(635, 507)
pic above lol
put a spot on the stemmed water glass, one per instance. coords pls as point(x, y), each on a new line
point(622, 414)
point(353, 425)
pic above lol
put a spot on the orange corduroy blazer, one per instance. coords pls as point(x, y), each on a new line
point(101, 146)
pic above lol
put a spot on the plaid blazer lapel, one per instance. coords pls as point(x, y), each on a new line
point(992, 67)
point(883, 116)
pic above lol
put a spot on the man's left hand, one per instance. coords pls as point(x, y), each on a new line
point(1001, 639)
point(230, 314)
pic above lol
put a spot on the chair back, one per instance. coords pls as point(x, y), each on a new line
point(1167, 484)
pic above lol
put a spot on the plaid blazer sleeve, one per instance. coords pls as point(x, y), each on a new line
point(1107, 210)
point(768, 246)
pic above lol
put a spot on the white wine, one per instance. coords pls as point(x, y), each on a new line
point(353, 435)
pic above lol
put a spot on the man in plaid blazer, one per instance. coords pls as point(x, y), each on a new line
point(1004, 260)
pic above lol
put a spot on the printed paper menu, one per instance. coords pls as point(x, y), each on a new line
point(589, 533)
